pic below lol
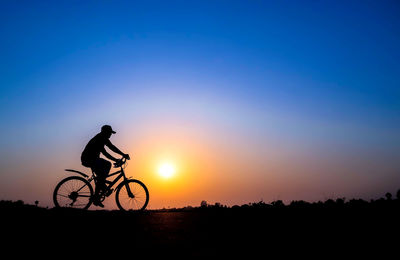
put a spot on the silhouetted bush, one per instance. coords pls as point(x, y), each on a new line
point(299, 204)
point(278, 204)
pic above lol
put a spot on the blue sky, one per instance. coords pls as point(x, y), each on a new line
point(320, 75)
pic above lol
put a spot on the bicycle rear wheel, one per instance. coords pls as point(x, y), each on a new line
point(134, 199)
point(73, 192)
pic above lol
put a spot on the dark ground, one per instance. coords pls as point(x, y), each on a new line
point(334, 229)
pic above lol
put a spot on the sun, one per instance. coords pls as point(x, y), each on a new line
point(166, 170)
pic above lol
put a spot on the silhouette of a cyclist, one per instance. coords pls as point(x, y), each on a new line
point(91, 158)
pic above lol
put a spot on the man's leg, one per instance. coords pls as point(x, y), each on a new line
point(101, 167)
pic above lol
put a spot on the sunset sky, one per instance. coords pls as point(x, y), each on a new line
point(247, 100)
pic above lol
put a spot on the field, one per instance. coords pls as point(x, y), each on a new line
point(303, 229)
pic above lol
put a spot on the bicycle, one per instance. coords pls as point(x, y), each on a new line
point(77, 192)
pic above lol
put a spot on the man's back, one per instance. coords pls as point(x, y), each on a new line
point(93, 149)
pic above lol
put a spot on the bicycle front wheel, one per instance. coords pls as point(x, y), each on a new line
point(132, 195)
point(73, 192)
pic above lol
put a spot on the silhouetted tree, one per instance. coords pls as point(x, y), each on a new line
point(278, 204)
point(330, 203)
point(340, 201)
point(203, 204)
point(299, 204)
point(388, 196)
point(398, 194)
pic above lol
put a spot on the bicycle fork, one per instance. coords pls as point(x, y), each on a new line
point(128, 189)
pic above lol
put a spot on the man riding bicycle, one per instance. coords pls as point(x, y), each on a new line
point(91, 158)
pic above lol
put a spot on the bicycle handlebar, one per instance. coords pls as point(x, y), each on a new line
point(120, 162)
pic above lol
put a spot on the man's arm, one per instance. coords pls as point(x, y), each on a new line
point(116, 150)
point(109, 156)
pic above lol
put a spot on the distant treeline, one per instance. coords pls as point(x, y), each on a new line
point(388, 201)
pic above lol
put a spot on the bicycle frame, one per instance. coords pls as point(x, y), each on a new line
point(110, 184)
point(113, 182)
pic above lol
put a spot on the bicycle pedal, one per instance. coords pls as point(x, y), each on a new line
point(109, 192)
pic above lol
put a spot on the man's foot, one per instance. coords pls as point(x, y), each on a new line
point(97, 202)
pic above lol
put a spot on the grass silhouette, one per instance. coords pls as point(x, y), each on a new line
point(335, 226)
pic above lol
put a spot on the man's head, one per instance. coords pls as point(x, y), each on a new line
point(107, 130)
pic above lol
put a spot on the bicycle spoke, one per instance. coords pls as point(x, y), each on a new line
point(134, 202)
point(81, 187)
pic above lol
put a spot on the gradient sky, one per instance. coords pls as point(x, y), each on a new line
point(250, 100)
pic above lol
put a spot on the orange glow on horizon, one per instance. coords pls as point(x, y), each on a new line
point(206, 166)
point(174, 165)
point(166, 170)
